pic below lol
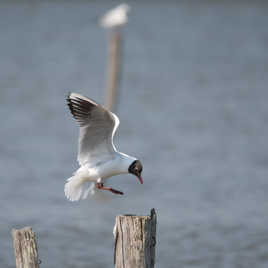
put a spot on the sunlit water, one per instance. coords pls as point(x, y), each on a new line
point(193, 107)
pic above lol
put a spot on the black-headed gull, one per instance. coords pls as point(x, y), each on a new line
point(97, 156)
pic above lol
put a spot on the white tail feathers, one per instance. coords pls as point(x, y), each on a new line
point(75, 188)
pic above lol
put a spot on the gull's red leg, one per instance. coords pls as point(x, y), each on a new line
point(101, 187)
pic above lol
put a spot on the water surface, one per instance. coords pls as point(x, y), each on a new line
point(193, 108)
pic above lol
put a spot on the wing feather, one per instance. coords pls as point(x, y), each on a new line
point(97, 128)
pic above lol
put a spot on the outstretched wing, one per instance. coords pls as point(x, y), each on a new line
point(97, 128)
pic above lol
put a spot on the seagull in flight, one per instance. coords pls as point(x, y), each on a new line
point(97, 155)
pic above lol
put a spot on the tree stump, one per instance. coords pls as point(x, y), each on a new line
point(135, 240)
point(25, 248)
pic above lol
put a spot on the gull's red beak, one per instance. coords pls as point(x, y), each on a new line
point(140, 179)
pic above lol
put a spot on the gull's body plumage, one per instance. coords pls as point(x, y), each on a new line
point(97, 155)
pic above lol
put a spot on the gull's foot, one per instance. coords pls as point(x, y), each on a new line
point(100, 186)
point(116, 191)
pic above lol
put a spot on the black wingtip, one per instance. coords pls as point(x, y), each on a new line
point(68, 100)
point(80, 108)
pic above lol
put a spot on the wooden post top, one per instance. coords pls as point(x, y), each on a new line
point(135, 240)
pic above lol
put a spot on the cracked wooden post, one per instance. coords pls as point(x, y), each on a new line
point(25, 248)
point(135, 240)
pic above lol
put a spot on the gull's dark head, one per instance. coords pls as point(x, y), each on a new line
point(136, 168)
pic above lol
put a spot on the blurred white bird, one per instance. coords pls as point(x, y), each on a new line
point(115, 17)
point(97, 155)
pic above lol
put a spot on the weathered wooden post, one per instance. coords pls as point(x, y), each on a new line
point(135, 240)
point(114, 20)
point(114, 69)
point(25, 248)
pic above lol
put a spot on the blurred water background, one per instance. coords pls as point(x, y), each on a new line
point(193, 108)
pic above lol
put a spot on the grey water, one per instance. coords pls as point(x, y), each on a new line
point(193, 108)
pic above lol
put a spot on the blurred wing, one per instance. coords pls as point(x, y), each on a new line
point(97, 129)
